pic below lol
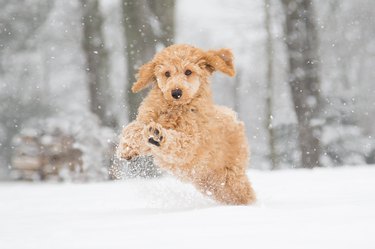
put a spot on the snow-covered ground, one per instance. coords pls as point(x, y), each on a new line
point(323, 208)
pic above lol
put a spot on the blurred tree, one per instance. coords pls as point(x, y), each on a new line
point(348, 54)
point(21, 96)
point(96, 62)
point(269, 79)
point(147, 23)
point(164, 11)
point(19, 23)
point(304, 80)
point(236, 91)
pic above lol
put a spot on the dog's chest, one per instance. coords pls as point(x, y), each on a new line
point(177, 118)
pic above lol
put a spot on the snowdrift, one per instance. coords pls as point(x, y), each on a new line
point(322, 208)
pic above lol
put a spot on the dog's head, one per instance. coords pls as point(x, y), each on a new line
point(180, 70)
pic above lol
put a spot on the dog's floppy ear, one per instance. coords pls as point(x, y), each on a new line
point(144, 77)
point(221, 60)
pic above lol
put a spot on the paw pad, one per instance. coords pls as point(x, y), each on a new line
point(154, 142)
point(154, 135)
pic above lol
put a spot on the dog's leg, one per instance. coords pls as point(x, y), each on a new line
point(131, 141)
point(169, 145)
point(237, 190)
point(227, 186)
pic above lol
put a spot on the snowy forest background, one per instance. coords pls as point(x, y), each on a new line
point(304, 83)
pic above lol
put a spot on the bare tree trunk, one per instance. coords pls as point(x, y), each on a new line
point(269, 79)
point(236, 91)
point(140, 46)
point(96, 62)
point(141, 38)
point(304, 81)
point(164, 10)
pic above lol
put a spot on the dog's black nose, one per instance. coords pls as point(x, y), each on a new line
point(176, 93)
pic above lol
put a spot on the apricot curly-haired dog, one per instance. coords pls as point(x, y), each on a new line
point(186, 133)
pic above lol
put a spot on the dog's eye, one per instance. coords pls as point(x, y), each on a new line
point(167, 74)
point(187, 72)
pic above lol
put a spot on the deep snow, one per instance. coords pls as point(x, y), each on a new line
point(322, 208)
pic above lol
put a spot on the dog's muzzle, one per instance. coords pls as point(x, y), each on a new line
point(176, 93)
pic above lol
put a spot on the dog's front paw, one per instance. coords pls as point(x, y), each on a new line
point(154, 134)
point(124, 151)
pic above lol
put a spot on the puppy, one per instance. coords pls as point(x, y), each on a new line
point(181, 127)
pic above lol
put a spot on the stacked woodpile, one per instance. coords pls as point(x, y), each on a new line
point(42, 155)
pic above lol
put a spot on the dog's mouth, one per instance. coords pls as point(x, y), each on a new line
point(178, 100)
point(177, 95)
